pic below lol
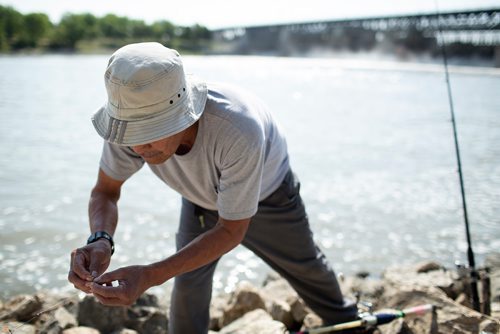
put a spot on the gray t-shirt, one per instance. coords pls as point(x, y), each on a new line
point(239, 156)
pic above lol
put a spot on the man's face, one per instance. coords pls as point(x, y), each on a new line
point(159, 151)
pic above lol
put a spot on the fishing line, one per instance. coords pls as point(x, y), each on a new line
point(47, 309)
point(470, 253)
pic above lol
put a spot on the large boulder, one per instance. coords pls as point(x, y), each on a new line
point(424, 275)
point(21, 308)
point(106, 319)
point(254, 322)
point(450, 317)
point(245, 298)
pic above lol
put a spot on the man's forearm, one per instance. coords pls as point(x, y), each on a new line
point(103, 212)
point(206, 248)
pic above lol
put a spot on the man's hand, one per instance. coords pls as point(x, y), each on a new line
point(88, 262)
point(132, 282)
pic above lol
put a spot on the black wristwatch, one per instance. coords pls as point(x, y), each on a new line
point(102, 235)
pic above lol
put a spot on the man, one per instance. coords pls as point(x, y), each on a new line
point(220, 148)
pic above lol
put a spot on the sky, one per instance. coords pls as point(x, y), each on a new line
point(216, 14)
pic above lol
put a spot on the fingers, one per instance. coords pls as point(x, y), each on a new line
point(112, 296)
point(109, 277)
point(78, 265)
point(78, 275)
point(78, 283)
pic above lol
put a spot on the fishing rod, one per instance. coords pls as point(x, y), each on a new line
point(474, 276)
point(372, 320)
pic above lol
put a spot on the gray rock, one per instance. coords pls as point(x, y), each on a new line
point(106, 319)
point(147, 299)
point(21, 308)
point(81, 330)
point(146, 319)
point(245, 298)
point(254, 322)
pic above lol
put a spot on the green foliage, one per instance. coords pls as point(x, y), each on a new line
point(37, 27)
point(87, 32)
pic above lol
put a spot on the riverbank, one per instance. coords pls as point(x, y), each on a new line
point(271, 308)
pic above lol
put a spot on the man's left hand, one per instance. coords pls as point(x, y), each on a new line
point(131, 285)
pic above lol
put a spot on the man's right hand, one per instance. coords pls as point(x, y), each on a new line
point(89, 262)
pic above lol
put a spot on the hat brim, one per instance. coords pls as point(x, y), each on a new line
point(159, 126)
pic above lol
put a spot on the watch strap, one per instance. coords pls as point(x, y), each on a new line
point(102, 235)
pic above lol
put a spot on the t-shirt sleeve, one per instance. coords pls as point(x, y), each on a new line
point(119, 162)
point(241, 175)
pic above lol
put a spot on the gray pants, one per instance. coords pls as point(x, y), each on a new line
point(279, 234)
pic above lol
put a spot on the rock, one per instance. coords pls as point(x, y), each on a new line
point(147, 299)
point(451, 316)
point(464, 300)
point(492, 261)
point(125, 331)
point(104, 318)
point(311, 320)
point(425, 267)
point(146, 319)
point(254, 322)
point(245, 298)
point(368, 289)
point(279, 289)
point(489, 326)
point(65, 319)
point(17, 328)
point(217, 311)
point(398, 326)
point(21, 308)
point(81, 330)
point(299, 309)
point(56, 321)
point(281, 311)
point(408, 276)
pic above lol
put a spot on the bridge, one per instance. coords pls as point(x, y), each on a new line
point(463, 30)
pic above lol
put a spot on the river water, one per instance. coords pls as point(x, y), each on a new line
point(371, 142)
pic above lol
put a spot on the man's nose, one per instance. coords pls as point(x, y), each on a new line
point(141, 148)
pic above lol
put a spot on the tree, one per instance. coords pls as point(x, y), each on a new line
point(74, 28)
point(113, 26)
point(11, 23)
point(36, 27)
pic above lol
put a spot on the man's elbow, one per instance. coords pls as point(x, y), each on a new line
point(236, 229)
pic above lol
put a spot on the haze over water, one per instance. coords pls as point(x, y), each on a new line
point(371, 142)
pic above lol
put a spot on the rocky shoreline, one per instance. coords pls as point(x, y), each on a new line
point(272, 308)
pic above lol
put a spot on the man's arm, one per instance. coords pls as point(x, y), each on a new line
point(92, 260)
point(134, 280)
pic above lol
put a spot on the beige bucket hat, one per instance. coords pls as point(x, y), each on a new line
point(149, 96)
